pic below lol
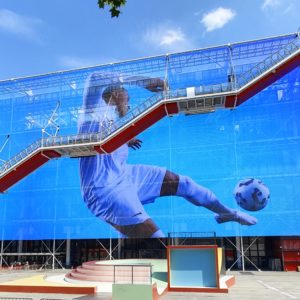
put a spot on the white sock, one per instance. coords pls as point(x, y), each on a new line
point(195, 193)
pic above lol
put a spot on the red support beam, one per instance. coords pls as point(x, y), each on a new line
point(26, 168)
point(262, 83)
point(136, 128)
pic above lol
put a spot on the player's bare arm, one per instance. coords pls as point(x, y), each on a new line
point(155, 85)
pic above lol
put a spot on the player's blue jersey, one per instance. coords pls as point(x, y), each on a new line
point(104, 169)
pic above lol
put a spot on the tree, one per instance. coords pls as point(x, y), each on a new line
point(114, 6)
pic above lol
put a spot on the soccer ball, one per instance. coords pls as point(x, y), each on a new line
point(251, 194)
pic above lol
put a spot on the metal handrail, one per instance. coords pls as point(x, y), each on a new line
point(268, 62)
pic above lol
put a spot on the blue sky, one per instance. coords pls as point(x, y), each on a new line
point(38, 37)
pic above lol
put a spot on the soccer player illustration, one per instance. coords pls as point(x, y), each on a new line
point(116, 191)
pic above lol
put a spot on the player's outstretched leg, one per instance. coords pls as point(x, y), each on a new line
point(201, 196)
point(236, 216)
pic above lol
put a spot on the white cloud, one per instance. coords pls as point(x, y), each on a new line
point(217, 18)
point(72, 62)
point(270, 4)
point(279, 6)
point(167, 37)
point(14, 23)
point(75, 62)
point(172, 36)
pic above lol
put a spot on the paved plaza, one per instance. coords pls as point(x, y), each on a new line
point(249, 285)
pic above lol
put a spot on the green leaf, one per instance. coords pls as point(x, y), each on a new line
point(101, 3)
point(114, 12)
point(114, 6)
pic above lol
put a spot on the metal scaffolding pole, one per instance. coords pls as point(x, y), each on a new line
point(1, 259)
point(242, 256)
point(53, 255)
point(68, 252)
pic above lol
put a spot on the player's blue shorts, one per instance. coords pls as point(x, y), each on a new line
point(122, 204)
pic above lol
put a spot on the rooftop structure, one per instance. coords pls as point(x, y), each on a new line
point(198, 81)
